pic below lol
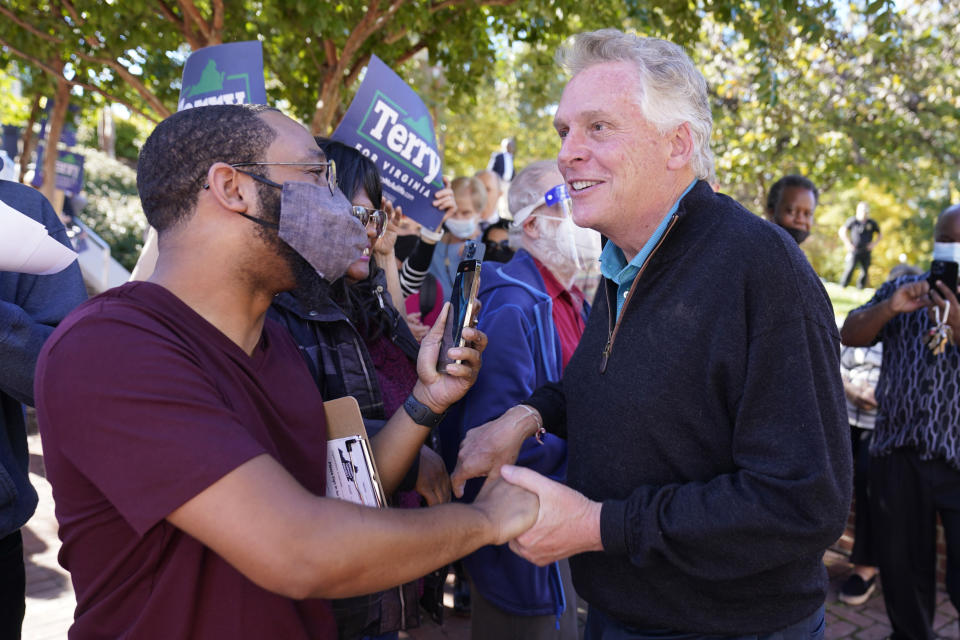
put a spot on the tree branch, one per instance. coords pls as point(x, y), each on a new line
point(451, 4)
point(77, 20)
point(330, 51)
point(218, 12)
point(89, 39)
point(358, 66)
point(412, 51)
point(168, 12)
point(57, 74)
point(395, 36)
point(313, 56)
point(182, 26)
point(391, 11)
point(138, 86)
point(40, 34)
point(191, 12)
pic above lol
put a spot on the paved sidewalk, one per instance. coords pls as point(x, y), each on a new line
point(50, 599)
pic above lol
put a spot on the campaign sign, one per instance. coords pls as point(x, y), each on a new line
point(229, 73)
point(11, 139)
point(68, 134)
point(388, 122)
point(69, 172)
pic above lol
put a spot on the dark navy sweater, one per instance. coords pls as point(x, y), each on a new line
point(716, 437)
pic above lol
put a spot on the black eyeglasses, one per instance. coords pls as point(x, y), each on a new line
point(493, 246)
point(366, 216)
point(326, 171)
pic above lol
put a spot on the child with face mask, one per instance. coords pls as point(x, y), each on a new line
point(471, 197)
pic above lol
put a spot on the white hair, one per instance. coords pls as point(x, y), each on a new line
point(672, 90)
point(527, 188)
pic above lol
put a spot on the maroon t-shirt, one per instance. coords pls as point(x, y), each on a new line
point(142, 405)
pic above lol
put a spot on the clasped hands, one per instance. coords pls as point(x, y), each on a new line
point(566, 523)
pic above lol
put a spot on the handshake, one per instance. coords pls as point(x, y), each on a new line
point(543, 520)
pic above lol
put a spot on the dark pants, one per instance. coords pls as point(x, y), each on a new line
point(861, 258)
point(12, 586)
point(906, 495)
point(603, 627)
point(488, 622)
point(864, 547)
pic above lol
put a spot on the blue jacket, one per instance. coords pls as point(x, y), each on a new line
point(523, 353)
point(30, 308)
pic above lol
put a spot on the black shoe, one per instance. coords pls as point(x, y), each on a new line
point(856, 590)
point(461, 598)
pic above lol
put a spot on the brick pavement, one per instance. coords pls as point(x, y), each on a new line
point(50, 599)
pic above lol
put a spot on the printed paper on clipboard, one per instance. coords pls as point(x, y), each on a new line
point(351, 470)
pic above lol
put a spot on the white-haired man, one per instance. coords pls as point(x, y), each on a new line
point(534, 317)
point(708, 461)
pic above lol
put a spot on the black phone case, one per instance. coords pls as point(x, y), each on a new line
point(945, 272)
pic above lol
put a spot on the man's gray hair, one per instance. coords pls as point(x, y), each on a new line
point(527, 186)
point(672, 90)
point(526, 189)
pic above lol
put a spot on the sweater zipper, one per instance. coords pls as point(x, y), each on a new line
point(612, 328)
point(379, 292)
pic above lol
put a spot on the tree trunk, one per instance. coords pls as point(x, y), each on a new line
point(322, 120)
point(26, 149)
point(106, 133)
point(57, 118)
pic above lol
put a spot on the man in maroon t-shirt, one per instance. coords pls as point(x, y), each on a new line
point(183, 435)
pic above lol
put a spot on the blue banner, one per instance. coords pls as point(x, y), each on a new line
point(229, 73)
point(69, 172)
point(11, 140)
point(388, 122)
point(68, 134)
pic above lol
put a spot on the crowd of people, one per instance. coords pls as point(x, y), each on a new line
point(677, 449)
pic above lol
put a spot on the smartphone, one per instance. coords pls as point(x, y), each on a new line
point(945, 272)
point(463, 300)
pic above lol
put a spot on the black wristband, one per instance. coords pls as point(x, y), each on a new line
point(421, 413)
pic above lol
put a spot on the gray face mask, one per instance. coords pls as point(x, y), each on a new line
point(318, 225)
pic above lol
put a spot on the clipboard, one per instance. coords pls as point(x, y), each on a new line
point(351, 469)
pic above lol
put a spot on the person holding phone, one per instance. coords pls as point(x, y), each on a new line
point(915, 467)
point(347, 329)
point(534, 316)
point(183, 434)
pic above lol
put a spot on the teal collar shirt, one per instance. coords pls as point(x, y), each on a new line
point(614, 265)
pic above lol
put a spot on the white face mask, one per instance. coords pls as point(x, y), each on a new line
point(463, 229)
point(946, 251)
point(560, 235)
point(588, 244)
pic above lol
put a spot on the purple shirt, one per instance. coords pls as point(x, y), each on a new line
point(142, 405)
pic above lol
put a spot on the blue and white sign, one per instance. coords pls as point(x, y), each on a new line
point(229, 73)
point(69, 172)
point(388, 122)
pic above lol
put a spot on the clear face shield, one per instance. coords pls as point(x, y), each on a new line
point(559, 228)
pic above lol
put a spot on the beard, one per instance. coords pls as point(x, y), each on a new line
point(310, 290)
